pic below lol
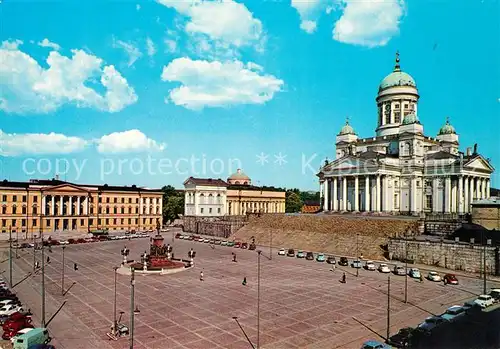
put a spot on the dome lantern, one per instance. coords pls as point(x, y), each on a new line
point(447, 128)
point(347, 129)
point(397, 77)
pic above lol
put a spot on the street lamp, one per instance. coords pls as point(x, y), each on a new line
point(115, 325)
point(388, 307)
point(43, 280)
point(259, 252)
point(132, 310)
point(62, 277)
point(357, 254)
point(406, 270)
point(10, 256)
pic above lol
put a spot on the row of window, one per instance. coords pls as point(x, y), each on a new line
point(91, 209)
point(5, 223)
point(108, 200)
point(205, 199)
point(209, 210)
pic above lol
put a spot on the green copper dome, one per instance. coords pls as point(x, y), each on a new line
point(411, 118)
point(397, 78)
point(447, 129)
point(347, 129)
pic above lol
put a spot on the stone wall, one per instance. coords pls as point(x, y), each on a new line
point(214, 226)
point(449, 254)
point(441, 228)
point(488, 217)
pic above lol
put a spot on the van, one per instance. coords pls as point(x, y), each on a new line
point(495, 293)
point(35, 336)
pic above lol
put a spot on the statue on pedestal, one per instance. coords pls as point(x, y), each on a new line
point(125, 252)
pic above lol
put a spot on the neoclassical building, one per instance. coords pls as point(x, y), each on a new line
point(236, 196)
point(55, 205)
point(401, 170)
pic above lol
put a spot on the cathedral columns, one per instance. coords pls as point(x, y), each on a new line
point(377, 196)
point(326, 189)
point(460, 195)
point(385, 200)
point(356, 194)
point(321, 188)
point(435, 199)
point(335, 195)
point(413, 194)
point(483, 186)
point(53, 206)
point(447, 194)
point(466, 194)
point(478, 189)
point(367, 193)
point(488, 189)
point(61, 208)
point(344, 193)
point(471, 191)
point(454, 189)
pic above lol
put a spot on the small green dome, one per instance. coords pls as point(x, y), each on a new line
point(411, 118)
point(347, 129)
point(447, 129)
point(397, 78)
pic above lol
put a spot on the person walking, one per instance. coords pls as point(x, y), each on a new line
point(201, 275)
point(343, 278)
point(48, 260)
point(244, 282)
point(332, 268)
point(234, 257)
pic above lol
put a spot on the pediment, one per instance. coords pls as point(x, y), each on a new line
point(344, 164)
point(479, 163)
point(67, 188)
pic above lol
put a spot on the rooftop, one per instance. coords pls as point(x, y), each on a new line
point(56, 182)
point(492, 201)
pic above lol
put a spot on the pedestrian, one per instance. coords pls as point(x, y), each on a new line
point(244, 282)
point(234, 257)
point(421, 278)
point(332, 268)
point(37, 265)
point(343, 278)
point(48, 260)
point(201, 275)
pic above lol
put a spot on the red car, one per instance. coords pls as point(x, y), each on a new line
point(81, 241)
point(71, 241)
point(12, 331)
point(237, 244)
point(450, 279)
point(21, 322)
point(17, 316)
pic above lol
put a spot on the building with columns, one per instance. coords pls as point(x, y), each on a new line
point(236, 196)
point(54, 205)
point(401, 170)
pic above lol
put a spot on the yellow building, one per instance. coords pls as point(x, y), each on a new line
point(54, 205)
point(237, 196)
point(486, 212)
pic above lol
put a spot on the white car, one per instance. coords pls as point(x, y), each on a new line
point(10, 309)
point(484, 300)
point(281, 252)
point(201, 239)
point(414, 273)
point(206, 240)
point(19, 333)
point(383, 268)
point(434, 276)
point(63, 242)
point(369, 265)
point(6, 301)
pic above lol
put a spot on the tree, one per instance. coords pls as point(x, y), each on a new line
point(173, 203)
point(293, 202)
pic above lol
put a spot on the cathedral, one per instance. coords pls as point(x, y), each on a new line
point(401, 170)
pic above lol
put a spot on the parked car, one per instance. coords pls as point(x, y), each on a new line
point(26, 245)
point(200, 239)
point(20, 332)
point(356, 264)
point(495, 293)
point(402, 339)
point(434, 276)
point(374, 345)
point(230, 243)
point(450, 279)
point(290, 253)
point(369, 265)
point(244, 245)
point(310, 256)
point(301, 254)
point(320, 257)
point(206, 240)
point(237, 244)
point(178, 236)
point(252, 247)
point(217, 242)
point(10, 309)
point(344, 261)
point(65, 242)
point(483, 301)
point(224, 243)
point(17, 317)
point(281, 252)
point(33, 337)
point(430, 323)
point(383, 268)
point(72, 241)
point(399, 270)
point(414, 273)
point(453, 313)
point(13, 330)
point(331, 260)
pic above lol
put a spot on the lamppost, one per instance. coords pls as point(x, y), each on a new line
point(484, 261)
point(115, 325)
point(43, 279)
point(132, 310)
point(388, 307)
point(17, 241)
point(62, 271)
point(406, 270)
point(10, 256)
point(357, 254)
point(259, 252)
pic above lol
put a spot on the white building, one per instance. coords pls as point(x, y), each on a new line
point(401, 170)
point(205, 197)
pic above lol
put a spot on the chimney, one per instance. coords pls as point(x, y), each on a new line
point(468, 151)
point(475, 148)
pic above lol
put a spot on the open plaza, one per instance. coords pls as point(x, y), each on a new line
point(302, 304)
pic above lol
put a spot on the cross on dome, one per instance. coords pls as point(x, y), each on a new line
point(397, 67)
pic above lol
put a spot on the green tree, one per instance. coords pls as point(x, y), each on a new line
point(293, 202)
point(173, 203)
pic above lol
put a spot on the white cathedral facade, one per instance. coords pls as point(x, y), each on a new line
point(401, 170)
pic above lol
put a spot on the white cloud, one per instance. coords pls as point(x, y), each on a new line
point(171, 45)
point(217, 84)
point(11, 44)
point(150, 47)
point(130, 49)
point(28, 87)
point(309, 11)
point(225, 21)
point(127, 141)
point(39, 143)
point(46, 43)
point(368, 23)
point(308, 26)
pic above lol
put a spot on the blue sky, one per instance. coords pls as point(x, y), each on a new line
point(151, 92)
